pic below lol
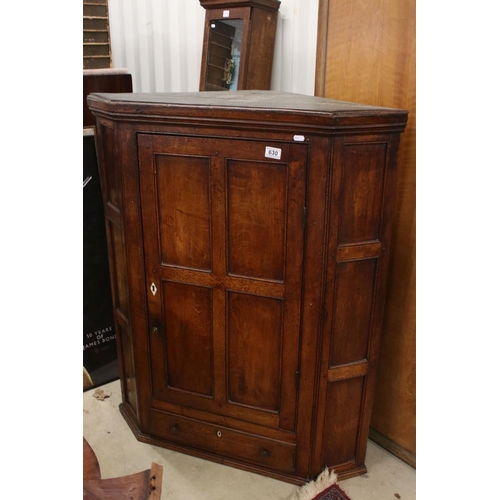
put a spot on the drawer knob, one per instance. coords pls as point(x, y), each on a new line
point(264, 453)
point(174, 429)
point(219, 434)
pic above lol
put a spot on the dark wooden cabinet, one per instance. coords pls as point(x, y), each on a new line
point(249, 240)
point(238, 44)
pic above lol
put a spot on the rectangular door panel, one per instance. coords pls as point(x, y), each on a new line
point(254, 345)
point(363, 182)
point(188, 337)
point(256, 215)
point(184, 210)
point(352, 310)
point(342, 420)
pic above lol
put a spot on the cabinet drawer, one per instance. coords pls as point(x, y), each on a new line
point(223, 441)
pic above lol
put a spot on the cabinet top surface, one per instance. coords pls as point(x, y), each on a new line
point(266, 105)
point(267, 99)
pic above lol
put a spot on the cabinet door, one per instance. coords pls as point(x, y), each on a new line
point(223, 242)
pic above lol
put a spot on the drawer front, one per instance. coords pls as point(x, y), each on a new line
point(225, 442)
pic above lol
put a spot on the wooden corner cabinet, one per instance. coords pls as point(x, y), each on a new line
point(249, 237)
point(238, 44)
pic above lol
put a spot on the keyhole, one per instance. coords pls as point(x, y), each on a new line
point(153, 289)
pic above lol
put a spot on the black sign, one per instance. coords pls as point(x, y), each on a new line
point(100, 363)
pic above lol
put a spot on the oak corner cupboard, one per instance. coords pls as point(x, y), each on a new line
point(248, 235)
point(238, 44)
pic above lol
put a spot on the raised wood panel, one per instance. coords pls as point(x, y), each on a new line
point(256, 219)
point(362, 182)
point(352, 311)
point(254, 344)
point(183, 185)
point(366, 54)
point(342, 417)
point(188, 337)
point(110, 178)
point(127, 366)
point(118, 276)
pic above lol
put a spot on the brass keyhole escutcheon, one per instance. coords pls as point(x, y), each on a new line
point(219, 434)
point(153, 289)
point(228, 71)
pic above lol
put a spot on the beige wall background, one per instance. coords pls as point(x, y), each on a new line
point(160, 43)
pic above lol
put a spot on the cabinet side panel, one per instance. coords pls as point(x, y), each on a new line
point(362, 191)
point(111, 180)
point(119, 264)
point(127, 359)
point(352, 311)
point(342, 418)
point(119, 279)
point(356, 267)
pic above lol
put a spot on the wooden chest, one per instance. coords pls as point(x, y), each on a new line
point(248, 235)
